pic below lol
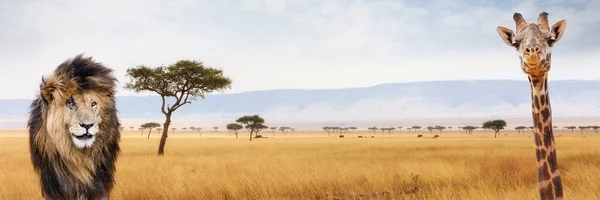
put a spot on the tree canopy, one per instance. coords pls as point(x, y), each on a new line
point(182, 81)
point(253, 123)
point(495, 125)
point(235, 128)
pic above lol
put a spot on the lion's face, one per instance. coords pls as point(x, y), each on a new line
point(81, 117)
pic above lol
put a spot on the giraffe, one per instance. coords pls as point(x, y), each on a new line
point(534, 42)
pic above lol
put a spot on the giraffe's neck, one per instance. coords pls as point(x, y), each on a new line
point(549, 181)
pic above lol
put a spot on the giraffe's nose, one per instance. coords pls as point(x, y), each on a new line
point(533, 49)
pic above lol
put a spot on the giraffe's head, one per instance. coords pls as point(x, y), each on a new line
point(533, 41)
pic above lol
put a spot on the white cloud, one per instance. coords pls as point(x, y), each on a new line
point(265, 44)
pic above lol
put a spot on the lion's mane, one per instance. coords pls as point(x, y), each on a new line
point(67, 172)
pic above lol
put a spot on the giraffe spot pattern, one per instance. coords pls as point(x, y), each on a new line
point(543, 173)
point(540, 153)
point(545, 114)
point(547, 137)
point(552, 161)
point(543, 100)
point(557, 183)
point(538, 141)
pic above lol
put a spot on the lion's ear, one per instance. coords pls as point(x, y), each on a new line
point(48, 89)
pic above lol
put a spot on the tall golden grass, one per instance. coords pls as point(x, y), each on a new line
point(314, 166)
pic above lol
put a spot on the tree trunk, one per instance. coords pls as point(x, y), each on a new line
point(163, 139)
point(149, 133)
point(251, 135)
point(495, 134)
point(236, 135)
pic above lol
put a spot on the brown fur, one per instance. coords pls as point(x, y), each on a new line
point(68, 172)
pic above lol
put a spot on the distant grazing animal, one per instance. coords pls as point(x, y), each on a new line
point(436, 136)
point(420, 135)
point(360, 136)
point(341, 136)
point(74, 131)
point(534, 43)
point(372, 136)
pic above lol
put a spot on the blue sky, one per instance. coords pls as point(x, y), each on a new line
point(270, 44)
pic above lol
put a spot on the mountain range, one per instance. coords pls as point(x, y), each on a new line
point(394, 104)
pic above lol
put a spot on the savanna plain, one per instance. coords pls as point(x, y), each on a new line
point(313, 165)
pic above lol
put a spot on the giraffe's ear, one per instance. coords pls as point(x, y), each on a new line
point(507, 35)
point(558, 30)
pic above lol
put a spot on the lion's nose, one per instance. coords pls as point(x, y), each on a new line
point(86, 126)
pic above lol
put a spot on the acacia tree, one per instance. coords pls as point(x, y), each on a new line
point(469, 129)
point(415, 128)
point(583, 128)
point(141, 129)
point(283, 129)
point(352, 128)
point(495, 125)
point(374, 129)
point(572, 128)
point(439, 128)
point(149, 126)
point(595, 128)
point(520, 128)
point(177, 84)
point(253, 123)
point(235, 128)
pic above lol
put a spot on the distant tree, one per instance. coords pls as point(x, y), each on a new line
point(173, 130)
point(572, 128)
point(399, 128)
point(583, 128)
point(450, 128)
point(595, 128)
point(197, 129)
point(235, 128)
point(184, 129)
point(141, 129)
point(273, 130)
point(520, 129)
point(283, 129)
point(439, 128)
point(149, 126)
point(415, 128)
point(328, 130)
point(352, 128)
point(430, 129)
point(374, 129)
point(121, 128)
point(183, 81)
point(131, 128)
point(495, 125)
point(389, 130)
point(253, 123)
point(469, 129)
point(216, 128)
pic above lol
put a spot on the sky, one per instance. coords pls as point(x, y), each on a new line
point(282, 44)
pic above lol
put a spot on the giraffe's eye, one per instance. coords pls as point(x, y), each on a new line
point(94, 104)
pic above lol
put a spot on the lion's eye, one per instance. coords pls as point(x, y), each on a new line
point(71, 102)
point(94, 104)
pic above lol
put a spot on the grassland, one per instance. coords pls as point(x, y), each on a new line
point(315, 166)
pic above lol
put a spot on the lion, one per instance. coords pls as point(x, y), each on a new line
point(74, 131)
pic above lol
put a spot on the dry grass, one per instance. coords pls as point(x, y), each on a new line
point(312, 166)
